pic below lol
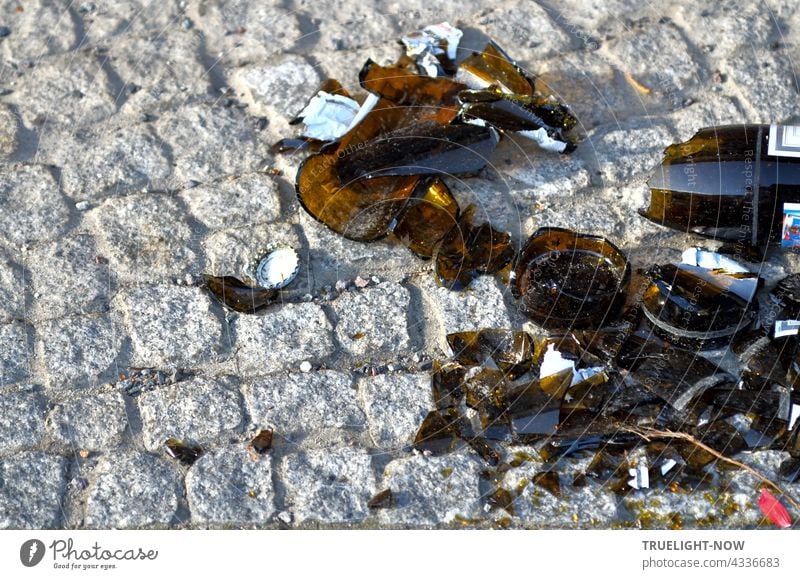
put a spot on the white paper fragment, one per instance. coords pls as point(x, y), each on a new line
point(554, 363)
point(712, 260)
point(544, 140)
point(366, 107)
point(787, 328)
point(640, 477)
point(424, 46)
point(794, 414)
point(327, 117)
point(668, 465)
point(745, 287)
point(475, 121)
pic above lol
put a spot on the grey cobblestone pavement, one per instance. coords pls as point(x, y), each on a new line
point(134, 157)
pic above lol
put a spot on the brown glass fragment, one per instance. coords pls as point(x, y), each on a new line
point(566, 279)
point(485, 450)
point(404, 87)
point(440, 432)
point(486, 393)
point(382, 500)
point(185, 453)
point(549, 481)
point(534, 407)
point(507, 350)
point(502, 499)
point(420, 148)
point(432, 212)
point(790, 469)
point(295, 145)
point(695, 306)
point(446, 384)
point(262, 442)
point(468, 251)
point(494, 67)
point(239, 296)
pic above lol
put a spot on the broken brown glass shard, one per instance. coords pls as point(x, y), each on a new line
point(403, 87)
point(500, 498)
point(421, 148)
point(494, 67)
point(507, 350)
point(239, 296)
point(185, 453)
point(542, 119)
point(566, 279)
point(696, 306)
point(382, 500)
point(468, 251)
point(431, 213)
point(446, 384)
point(262, 442)
point(486, 393)
point(361, 210)
point(549, 481)
point(440, 432)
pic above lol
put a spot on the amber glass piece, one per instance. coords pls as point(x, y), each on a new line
point(720, 436)
point(535, 407)
point(501, 499)
point(186, 454)
point(566, 279)
point(382, 500)
point(440, 432)
point(486, 393)
point(724, 183)
point(517, 113)
point(360, 210)
point(239, 296)
point(294, 145)
point(695, 306)
point(790, 469)
point(404, 87)
point(262, 441)
point(549, 481)
point(468, 251)
point(446, 384)
point(508, 350)
point(485, 450)
point(431, 213)
point(680, 377)
point(421, 148)
point(494, 67)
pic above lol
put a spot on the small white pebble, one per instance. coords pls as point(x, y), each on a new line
point(375, 279)
point(305, 366)
point(360, 282)
point(285, 516)
point(82, 205)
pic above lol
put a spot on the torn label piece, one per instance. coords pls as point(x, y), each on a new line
point(667, 466)
point(544, 140)
point(712, 260)
point(785, 328)
point(429, 43)
point(640, 477)
point(327, 117)
point(554, 363)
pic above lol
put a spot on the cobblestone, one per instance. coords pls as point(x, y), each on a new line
point(90, 423)
point(299, 403)
point(200, 411)
point(172, 326)
point(229, 487)
point(132, 490)
point(22, 415)
point(329, 486)
point(30, 496)
point(395, 405)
